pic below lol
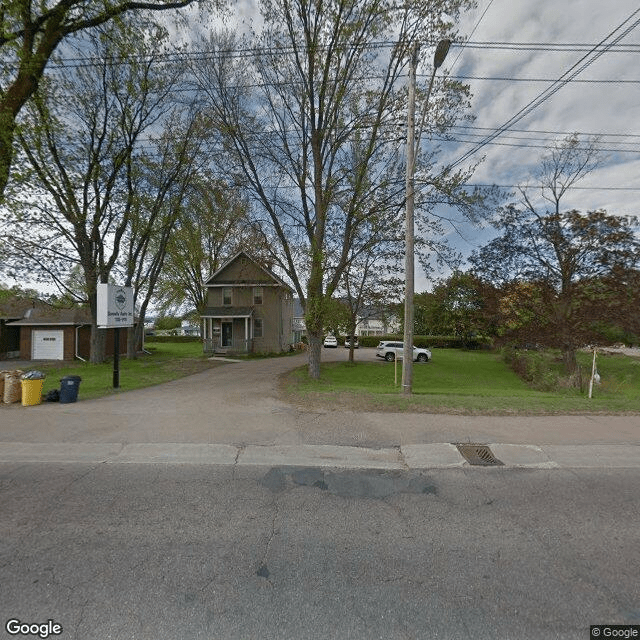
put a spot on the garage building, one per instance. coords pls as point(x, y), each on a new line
point(60, 334)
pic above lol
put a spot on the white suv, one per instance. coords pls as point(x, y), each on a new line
point(389, 350)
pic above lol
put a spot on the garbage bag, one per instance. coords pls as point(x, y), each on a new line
point(33, 375)
point(53, 396)
point(12, 386)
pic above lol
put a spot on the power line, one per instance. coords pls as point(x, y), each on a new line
point(554, 46)
point(598, 50)
point(516, 186)
point(553, 133)
point(532, 146)
point(464, 45)
point(248, 52)
point(506, 79)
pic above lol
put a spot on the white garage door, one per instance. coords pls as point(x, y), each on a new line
point(47, 345)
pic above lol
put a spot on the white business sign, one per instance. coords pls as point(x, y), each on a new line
point(115, 306)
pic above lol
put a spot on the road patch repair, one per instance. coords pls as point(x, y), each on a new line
point(403, 457)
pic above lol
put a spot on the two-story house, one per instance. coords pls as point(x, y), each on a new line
point(249, 309)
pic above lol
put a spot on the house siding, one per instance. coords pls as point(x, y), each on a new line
point(26, 342)
point(242, 275)
point(69, 338)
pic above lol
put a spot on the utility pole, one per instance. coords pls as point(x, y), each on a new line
point(409, 269)
point(412, 149)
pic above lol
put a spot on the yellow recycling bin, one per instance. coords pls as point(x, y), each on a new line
point(31, 392)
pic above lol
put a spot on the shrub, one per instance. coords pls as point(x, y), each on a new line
point(438, 342)
point(539, 369)
point(172, 339)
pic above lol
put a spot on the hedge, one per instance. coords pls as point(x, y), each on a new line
point(438, 342)
point(172, 339)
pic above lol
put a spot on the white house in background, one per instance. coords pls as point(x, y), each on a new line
point(375, 323)
point(370, 323)
point(189, 328)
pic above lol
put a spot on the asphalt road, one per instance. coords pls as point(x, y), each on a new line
point(98, 538)
point(186, 552)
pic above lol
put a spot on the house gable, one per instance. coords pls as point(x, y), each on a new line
point(242, 269)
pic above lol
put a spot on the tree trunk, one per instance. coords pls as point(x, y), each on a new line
point(7, 129)
point(134, 337)
point(352, 333)
point(315, 350)
point(569, 360)
point(98, 344)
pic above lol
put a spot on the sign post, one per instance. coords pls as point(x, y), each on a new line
point(114, 311)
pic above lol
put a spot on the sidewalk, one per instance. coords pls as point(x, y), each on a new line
point(233, 415)
point(426, 456)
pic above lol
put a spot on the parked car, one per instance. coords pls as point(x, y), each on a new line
point(389, 350)
point(331, 342)
point(347, 342)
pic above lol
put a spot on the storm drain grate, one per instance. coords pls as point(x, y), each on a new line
point(478, 454)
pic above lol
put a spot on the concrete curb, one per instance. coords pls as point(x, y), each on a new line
point(418, 456)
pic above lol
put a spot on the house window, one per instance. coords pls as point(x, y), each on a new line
point(257, 295)
point(226, 296)
point(257, 327)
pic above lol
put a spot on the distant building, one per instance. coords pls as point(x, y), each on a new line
point(373, 322)
point(188, 328)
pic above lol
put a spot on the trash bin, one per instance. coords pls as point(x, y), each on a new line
point(69, 386)
point(31, 392)
point(32, 382)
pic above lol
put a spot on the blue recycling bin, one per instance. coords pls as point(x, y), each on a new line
point(69, 386)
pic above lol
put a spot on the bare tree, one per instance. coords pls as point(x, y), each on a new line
point(30, 32)
point(74, 201)
point(159, 197)
point(212, 226)
point(289, 109)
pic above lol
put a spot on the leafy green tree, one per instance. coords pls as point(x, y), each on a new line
point(167, 323)
point(459, 305)
point(554, 261)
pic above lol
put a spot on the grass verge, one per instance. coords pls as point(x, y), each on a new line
point(166, 361)
point(465, 382)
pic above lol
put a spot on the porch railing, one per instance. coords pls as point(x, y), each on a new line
point(214, 345)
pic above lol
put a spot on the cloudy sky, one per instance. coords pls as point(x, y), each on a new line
point(516, 50)
point(609, 107)
point(508, 66)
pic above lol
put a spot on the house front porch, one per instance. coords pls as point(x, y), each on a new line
point(227, 330)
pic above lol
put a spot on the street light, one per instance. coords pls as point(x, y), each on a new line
point(407, 354)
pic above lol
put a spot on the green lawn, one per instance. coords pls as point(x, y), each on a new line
point(166, 361)
point(457, 381)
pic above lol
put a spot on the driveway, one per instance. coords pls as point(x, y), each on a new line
point(238, 404)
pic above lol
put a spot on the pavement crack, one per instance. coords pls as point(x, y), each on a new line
point(263, 570)
point(239, 452)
